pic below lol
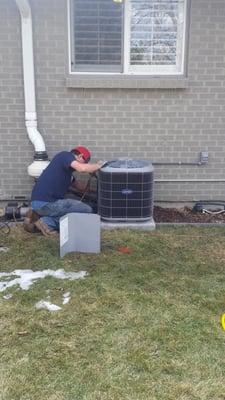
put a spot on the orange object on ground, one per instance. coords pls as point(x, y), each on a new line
point(125, 250)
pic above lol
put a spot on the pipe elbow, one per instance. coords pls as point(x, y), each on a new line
point(24, 8)
point(36, 138)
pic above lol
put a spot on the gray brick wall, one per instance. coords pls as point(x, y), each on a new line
point(168, 121)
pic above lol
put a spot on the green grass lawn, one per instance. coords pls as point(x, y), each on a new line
point(140, 326)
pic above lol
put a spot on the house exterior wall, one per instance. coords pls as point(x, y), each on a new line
point(158, 120)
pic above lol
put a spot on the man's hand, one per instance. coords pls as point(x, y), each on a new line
point(77, 166)
point(102, 163)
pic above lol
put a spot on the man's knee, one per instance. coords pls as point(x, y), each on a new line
point(88, 209)
point(79, 207)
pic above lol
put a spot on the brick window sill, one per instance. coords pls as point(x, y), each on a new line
point(126, 82)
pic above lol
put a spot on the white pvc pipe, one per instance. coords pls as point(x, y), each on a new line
point(28, 75)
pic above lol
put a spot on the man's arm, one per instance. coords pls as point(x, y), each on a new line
point(79, 167)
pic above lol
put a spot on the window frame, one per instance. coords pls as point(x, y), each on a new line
point(127, 70)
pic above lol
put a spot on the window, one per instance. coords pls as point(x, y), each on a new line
point(128, 37)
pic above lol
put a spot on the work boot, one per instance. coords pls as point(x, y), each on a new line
point(32, 216)
point(44, 228)
point(29, 226)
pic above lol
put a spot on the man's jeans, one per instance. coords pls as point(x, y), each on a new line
point(51, 212)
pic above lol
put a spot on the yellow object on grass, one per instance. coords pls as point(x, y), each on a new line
point(223, 321)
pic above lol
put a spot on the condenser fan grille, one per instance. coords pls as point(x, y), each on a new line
point(126, 194)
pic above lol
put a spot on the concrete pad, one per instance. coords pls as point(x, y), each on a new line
point(143, 225)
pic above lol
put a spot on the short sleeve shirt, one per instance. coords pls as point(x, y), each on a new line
point(55, 180)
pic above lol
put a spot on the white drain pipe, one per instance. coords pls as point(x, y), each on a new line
point(40, 156)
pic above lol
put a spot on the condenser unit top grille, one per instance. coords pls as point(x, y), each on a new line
point(128, 165)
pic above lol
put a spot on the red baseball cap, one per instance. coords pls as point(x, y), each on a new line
point(85, 153)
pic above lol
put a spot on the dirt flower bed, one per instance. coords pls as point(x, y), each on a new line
point(186, 215)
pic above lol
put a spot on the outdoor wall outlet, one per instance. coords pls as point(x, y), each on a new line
point(204, 157)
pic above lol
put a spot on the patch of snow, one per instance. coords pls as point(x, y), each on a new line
point(7, 296)
point(66, 298)
point(46, 305)
point(26, 277)
point(4, 249)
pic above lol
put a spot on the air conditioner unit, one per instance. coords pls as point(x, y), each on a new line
point(125, 190)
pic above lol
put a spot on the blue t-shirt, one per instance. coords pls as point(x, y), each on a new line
point(55, 180)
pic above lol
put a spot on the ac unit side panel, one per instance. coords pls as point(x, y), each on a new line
point(126, 194)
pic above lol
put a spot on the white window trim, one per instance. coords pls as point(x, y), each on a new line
point(153, 71)
point(126, 38)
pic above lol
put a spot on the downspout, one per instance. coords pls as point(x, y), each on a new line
point(40, 156)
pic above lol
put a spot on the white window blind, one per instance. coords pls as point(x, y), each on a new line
point(97, 35)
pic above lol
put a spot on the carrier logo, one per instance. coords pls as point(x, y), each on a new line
point(127, 191)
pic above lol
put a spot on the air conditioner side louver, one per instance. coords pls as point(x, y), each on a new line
point(125, 190)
